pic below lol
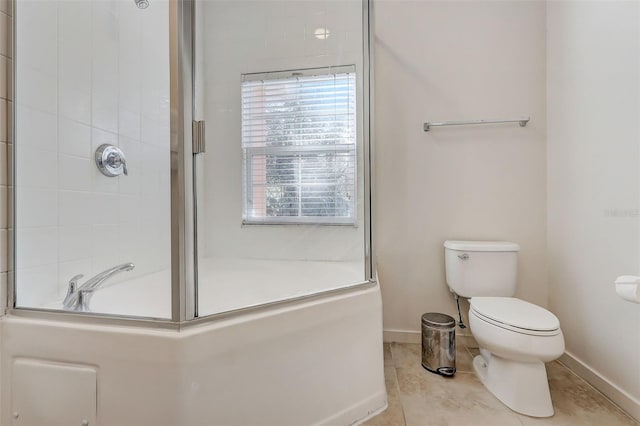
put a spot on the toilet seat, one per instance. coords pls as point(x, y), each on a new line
point(515, 315)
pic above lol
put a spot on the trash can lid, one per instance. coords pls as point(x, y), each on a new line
point(438, 320)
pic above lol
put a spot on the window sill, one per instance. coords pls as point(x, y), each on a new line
point(314, 222)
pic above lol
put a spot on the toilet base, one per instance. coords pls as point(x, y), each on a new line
point(521, 386)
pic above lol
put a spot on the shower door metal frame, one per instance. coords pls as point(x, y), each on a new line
point(368, 137)
point(183, 282)
point(183, 250)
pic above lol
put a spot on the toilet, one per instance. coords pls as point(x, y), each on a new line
point(515, 337)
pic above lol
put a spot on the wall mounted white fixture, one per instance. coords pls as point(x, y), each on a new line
point(627, 288)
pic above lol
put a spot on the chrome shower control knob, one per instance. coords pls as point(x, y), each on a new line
point(111, 160)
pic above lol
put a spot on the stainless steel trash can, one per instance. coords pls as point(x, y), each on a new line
point(439, 343)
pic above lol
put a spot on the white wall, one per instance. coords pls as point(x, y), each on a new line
point(456, 61)
point(593, 188)
point(259, 36)
point(90, 73)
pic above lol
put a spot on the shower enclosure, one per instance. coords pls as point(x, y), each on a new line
point(182, 163)
point(269, 203)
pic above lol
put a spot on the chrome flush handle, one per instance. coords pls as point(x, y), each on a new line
point(463, 256)
point(111, 160)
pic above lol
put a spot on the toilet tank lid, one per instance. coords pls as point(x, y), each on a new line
point(481, 245)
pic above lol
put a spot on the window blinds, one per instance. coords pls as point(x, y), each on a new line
point(299, 144)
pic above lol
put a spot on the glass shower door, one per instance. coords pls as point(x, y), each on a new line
point(92, 169)
point(282, 204)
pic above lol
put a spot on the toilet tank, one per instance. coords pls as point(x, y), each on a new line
point(481, 268)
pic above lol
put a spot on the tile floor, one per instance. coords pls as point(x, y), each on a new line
point(420, 398)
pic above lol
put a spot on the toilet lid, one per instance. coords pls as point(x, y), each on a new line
point(515, 313)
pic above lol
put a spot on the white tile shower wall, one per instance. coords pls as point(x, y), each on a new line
point(593, 51)
point(6, 106)
point(260, 36)
point(456, 60)
point(90, 73)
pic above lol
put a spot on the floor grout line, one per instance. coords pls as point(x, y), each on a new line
point(397, 385)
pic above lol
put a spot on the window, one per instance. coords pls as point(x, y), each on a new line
point(299, 143)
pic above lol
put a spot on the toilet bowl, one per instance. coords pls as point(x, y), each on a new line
point(516, 339)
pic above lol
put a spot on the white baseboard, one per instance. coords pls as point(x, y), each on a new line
point(401, 336)
point(621, 398)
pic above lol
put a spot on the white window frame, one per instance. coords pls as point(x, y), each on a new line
point(249, 152)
